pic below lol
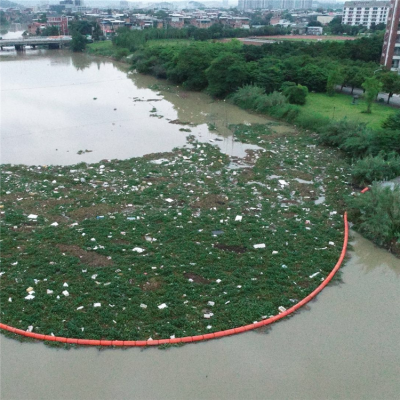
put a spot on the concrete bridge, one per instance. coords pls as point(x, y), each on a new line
point(54, 42)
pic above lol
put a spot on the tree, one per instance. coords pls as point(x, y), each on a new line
point(296, 94)
point(78, 42)
point(43, 18)
point(390, 84)
point(314, 23)
point(50, 31)
point(96, 31)
point(392, 121)
point(314, 77)
point(270, 78)
point(225, 74)
point(334, 78)
point(372, 88)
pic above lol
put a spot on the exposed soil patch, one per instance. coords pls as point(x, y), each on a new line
point(235, 249)
point(196, 278)
point(92, 211)
point(156, 156)
point(179, 122)
point(89, 258)
point(211, 200)
point(152, 284)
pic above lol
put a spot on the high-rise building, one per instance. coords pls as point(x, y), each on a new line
point(391, 44)
point(365, 13)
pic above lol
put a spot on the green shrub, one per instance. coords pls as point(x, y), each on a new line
point(378, 168)
point(376, 214)
point(296, 94)
point(287, 112)
point(121, 53)
point(372, 142)
point(392, 121)
point(335, 133)
point(247, 96)
point(359, 141)
point(267, 101)
point(312, 121)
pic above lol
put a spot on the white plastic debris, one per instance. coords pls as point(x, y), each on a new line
point(162, 306)
point(259, 246)
point(65, 293)
point(218, 280)
point(65, 284)
point(10, 299)
point(30, 328)
point(29, 289)
point(143, 305)
point(29, 297)
point(94, 276)
point(281, 309)
point(138, 250)
point(54, 224)
point(208, 315)
point(332, 243)
point(209, 326)
point(238, 218)
point(275, 252)
point(97, 305)
point(32, 216)
point(211, 303)
point(169, 200)
point(80, 308)
point(282, 182)
point(314, 275)
point(172, 337)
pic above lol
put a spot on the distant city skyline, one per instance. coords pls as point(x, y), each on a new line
point(93, 2)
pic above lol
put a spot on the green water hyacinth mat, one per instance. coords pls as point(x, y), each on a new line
point(174, 244)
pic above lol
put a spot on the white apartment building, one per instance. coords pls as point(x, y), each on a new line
point(274, 4)
point(365, 13)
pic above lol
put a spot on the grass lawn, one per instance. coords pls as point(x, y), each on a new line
point(168, 42)
point(103, 45)
point(104, 48)
point(339, 107)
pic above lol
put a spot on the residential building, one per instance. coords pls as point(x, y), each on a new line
point(60, 22)
point(314, 30)
point(365, 13)
point(274, 4)
point(391, 44)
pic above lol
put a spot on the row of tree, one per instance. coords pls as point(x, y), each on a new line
point(133, 39)
point(223, 67)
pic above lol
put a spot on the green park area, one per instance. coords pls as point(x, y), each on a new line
point(340, 106)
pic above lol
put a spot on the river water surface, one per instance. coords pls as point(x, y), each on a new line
point(346, 346)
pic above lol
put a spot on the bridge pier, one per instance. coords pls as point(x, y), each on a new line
point(19, 47)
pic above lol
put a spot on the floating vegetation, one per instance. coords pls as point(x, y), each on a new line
point(169, 244)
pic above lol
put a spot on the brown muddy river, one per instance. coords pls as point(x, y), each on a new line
point(345, 346)
point(55, 105)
